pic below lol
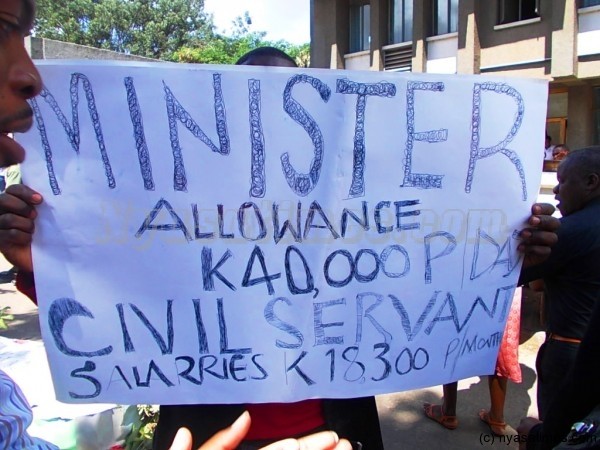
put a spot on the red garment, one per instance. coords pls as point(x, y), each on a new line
point(282, 420)
point(26, 284)
point(507, 364)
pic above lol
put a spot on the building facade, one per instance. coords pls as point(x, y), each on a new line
point(558, 40)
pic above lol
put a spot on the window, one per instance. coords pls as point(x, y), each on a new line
point(587, 3)
point(445, 17)
point(516, 10)
point(401, 21)
point(360, 28)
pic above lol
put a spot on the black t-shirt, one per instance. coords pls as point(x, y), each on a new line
point(572, 273)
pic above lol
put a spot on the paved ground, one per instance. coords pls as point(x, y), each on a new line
point(404, 425)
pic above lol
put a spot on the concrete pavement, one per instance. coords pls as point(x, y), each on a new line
point(403, 424)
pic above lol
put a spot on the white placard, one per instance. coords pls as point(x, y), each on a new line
point(217, 234)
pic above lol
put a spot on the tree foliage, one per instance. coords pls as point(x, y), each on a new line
point(176, 30)
point(151, 28)
point(227, 50)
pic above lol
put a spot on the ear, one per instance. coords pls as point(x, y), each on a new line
point(593, 182)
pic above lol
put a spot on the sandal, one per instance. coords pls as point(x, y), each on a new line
point(497, 428)
point(436, 413)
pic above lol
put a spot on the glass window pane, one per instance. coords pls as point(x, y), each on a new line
point(354, 29)
point(515, 10)
point(510, 11)
point(360, 26)
point(453, 16)
point(445, 17)
point(396, 21)
point(442, 17)
point(401, 13)
point(528, 9)
point(586, 3)
point(408, 20)
point(366, 27)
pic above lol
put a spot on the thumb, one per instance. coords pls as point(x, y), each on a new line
point(229, 438)
point(182, 441)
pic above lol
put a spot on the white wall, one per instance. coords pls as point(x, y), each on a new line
point(588, 38)
point(441, 53)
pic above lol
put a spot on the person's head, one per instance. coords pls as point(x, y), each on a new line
point(578, 180)
point(19, 79)
point(548, 141)
point(560, 152)
point(266, 56)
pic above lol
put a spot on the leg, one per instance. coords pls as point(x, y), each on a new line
point(444, 414)
point(497, 386)
point(450, 398)
point(495, 416)
point(554, 361)
point(541, 394)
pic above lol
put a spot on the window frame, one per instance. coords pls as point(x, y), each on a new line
point(435, 31)
point(359, 31)
point(502, 12)
point(391, 22)
point(581, 5)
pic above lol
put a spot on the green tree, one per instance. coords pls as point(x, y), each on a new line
point(300, 53)
point(151, 28)
point(228, 49)
point(176, 30)
point(64, 20)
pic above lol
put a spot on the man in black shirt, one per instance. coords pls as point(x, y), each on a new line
point(571, 274)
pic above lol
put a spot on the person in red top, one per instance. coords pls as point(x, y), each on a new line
point(231, 437)
point(354, 419)
point(275, 420)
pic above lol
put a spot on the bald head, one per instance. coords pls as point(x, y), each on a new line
point(266, 56)
point(578, 180)
point(584, 161)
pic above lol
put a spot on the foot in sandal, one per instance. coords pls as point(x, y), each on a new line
point(436, 413)
point(497, 427)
